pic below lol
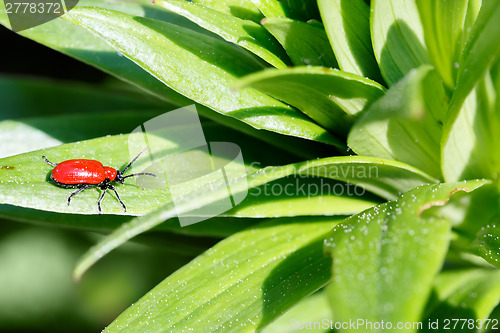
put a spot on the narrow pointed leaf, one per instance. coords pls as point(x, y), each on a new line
point(305, 43)
point(243, 9)
point(447, 25)
point(249, 279)
point(302, 196)
point(347, 24)
point(384, 177)
point(331, 97)
point(175, 50)
point(470, 294)
point(295, 9)
point(471, 142)
point(381, 250)
point(398, 38)
point(405, 124)
point(314, 308)
point(244, 33)
point(480, 52)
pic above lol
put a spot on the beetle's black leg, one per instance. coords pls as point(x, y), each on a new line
point(76, 192)
point(100, 199)
point(118, 197)
point(46, 160)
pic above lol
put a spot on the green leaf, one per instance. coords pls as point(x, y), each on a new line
point(447, 25)
point(467, 293)
point(480, 52)
point(397, 37)
point(71, 40)
point(189, 62)
point(405, 124)
point(305, 43)
point(28, 134)
point(248, 280)
point(24, 180)
point(289, 197)
point(471, 141)
point(314, 308)
point(487, 242)
point(22, 97)
point(329, 96)
point(295, 9)
point(347, 24)
point(380, 251)
point(384, 177)
point(243, 9)
point(476, 217)
point(244, 33)
point(302, 196)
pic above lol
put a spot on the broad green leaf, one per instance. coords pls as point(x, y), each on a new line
point(243, 9)
point(471, 142)
point(68, 39)
point(329, 96)
point(479, 231)
point(28, 134)
point(244, 33)
point(314, 308)
point(405, 124)
point(248, 280)
point(475, 218)
point(347, 24)
point(302, 196)
point(24, 180)
point(465, 294)
point(271, 8)
point(305, 43)
point(288, 197)
point(189, 63)
point(22, 97)
point(384, 177)
point(397, 37)
point(295, 9)
point(447, 25)
point(480, 52)
point(379, 252)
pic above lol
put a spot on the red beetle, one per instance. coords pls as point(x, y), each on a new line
point(83, 174)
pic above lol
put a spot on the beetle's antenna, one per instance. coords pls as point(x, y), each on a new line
point(140, 174)
point(46, 160)
point(135, 159)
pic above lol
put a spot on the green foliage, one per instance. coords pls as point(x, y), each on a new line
point(305, 43)
point(380, 251)
point(416, 98)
